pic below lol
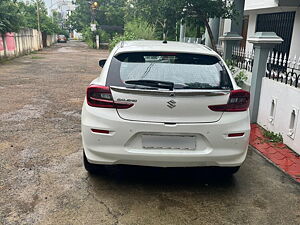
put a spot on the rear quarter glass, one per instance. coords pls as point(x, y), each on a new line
point(194, 71)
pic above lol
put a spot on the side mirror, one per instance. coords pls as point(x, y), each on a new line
point(102, 62)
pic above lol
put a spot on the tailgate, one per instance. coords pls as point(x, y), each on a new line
point(169, 106)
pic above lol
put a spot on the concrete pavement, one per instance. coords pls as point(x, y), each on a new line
point(42, 180)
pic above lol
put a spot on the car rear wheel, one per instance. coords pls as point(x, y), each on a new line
point(90, 167)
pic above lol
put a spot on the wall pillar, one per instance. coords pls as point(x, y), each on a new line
point(97, 41)
point(230, 39)
point(264, 43)
point(182, 30)
point(4, 44)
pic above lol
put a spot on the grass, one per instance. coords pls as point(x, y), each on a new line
point(37, 57)
point(273, 137)
point(9, 59)
point(5, 60)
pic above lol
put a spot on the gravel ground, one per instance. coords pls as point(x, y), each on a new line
point(42, 180)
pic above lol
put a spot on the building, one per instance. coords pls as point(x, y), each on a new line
point(279, 16)
point(279, 105)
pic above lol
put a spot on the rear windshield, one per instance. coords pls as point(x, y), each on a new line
point(189, 71)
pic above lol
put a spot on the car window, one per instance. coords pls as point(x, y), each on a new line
point(184, 70)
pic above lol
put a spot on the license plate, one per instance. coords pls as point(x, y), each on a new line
point(169, 142)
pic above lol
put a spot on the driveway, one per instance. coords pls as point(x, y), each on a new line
point(42, 180)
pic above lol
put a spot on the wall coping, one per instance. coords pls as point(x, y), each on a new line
point(265, 38)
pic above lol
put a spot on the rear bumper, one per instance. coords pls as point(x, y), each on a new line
point(157, 160)
point(123, 144)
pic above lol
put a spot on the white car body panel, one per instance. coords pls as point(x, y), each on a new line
point(131, 131)
point(158, 108)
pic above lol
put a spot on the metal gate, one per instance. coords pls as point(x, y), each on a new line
point(280, 23)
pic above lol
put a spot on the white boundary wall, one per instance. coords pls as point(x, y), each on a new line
point(279, 111)
point(51, 39)
point(23, 42)
point(27, 40)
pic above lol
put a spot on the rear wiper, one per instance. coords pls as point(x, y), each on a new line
point(152, 83)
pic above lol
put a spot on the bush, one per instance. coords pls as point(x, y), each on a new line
point(240, 78)
point(104, 36)
point(134, 30)
point(118, 38)
point(141, 30)
point(90, 37)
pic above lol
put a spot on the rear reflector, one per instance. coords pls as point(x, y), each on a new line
point(238, 101)
point(101, 97)
point(236, 135)
point(100, 131)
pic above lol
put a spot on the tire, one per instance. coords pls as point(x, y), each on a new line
point(230, 170)
point(90, 167)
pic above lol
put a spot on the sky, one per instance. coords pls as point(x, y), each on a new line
point(53, 3)
point(48, 2)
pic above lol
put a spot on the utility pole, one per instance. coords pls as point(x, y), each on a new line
point(38, 15)
point(94, 5)
point(51, 12)
point(182, 30)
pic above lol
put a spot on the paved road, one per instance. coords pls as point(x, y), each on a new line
point(43, 182)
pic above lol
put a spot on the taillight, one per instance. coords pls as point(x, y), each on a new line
point(239, 101)
point(101, 97)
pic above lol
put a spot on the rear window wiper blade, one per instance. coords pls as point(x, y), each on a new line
point(152, 83)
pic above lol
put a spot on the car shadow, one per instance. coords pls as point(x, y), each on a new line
point(164, 177)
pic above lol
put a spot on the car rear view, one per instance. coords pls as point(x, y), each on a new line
point(166, 105)
point(61, 39)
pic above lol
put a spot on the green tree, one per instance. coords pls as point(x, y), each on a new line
point(9, 16)
point(196, 12)
point(81, 17)
point(157, 12)
point(108, 12)
point(205, 9)
point(28, 12)
point(165, 15)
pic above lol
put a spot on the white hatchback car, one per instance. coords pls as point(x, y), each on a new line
point(165, 105)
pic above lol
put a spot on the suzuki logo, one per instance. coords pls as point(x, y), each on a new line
point(171, 104)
